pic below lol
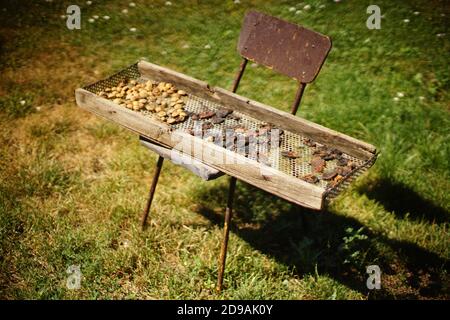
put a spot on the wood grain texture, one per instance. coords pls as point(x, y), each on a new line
point(200, 169)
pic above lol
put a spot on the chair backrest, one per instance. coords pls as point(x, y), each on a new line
point(289, 49)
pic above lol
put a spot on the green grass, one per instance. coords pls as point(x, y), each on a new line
point(72, 186)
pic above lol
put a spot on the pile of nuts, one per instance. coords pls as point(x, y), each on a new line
point(162, 99)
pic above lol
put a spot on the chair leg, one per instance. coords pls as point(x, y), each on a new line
point(226, 232)
point(152, 191)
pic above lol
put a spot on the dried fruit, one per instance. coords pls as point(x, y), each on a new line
point(290, 154)
point(329, 175)
point(217, 120)
point(342, 161)
point(309, 142)
point(223, 112)
point(310, 178)
point(317, 164)
point(343, 171)
point(206, 115)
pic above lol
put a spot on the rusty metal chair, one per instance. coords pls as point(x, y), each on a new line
point(287, 48)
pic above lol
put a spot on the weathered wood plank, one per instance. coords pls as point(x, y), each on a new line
point(197, 167)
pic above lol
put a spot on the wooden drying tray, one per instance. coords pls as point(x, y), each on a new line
point(267, 178)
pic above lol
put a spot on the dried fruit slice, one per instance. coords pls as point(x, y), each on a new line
point(310, 178)
point(329, 175)
point(290, 154)
point(217, 120)
point(223, 112)
point(309, 142)
point(206, 115)
point(317, 164)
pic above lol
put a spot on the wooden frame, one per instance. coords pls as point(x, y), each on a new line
point(253, 172)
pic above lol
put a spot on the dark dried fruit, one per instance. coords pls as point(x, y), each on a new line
point(206, 115)
point(310, 178)
point(290, 154)
point(336, 151)
point(329, 175)
point(217, 120)
point(309, 142)
point(329, 157)
point(342, 161)
point(320, 153)
point(343, 171)
point(223, 112)
point(317, 164)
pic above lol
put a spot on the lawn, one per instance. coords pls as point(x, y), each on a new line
point(73, 186)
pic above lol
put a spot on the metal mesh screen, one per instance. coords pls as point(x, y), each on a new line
point(290, 141)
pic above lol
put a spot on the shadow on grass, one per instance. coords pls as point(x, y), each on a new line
point(336, 245)
point(404, 202)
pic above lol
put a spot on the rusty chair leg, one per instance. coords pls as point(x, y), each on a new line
point(152, 191)
point(226, 232)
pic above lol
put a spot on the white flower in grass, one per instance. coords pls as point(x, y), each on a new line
point(88, 3)
point(406, 20)
point(421, 98)
point(186, 46)
point(132, 4)
point(95, 17)
point(208, 46)
point(416, 13)
point(396, 99)
point(133, 29)
point(322, 6)
point(400, 94)
point(440, 35)
point(91, 20)
point(291, 9)
point(106, 17)
point(298, 11)
point(62, 16)
point(168, 3)
point(22, 102)
point(236, 1)
point(125, 11)
point(307, 7)
point(38, 108)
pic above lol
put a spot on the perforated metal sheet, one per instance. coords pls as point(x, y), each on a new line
point(289, 141)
